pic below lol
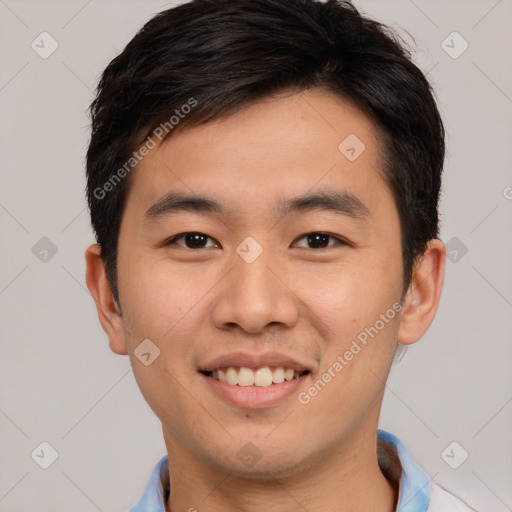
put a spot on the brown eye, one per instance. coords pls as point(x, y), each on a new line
point(320, 240)
point(192, 240)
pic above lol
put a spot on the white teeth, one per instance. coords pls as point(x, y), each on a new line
point(245, 377)
point(262, 377)
point(278, 375)
point(232, 376)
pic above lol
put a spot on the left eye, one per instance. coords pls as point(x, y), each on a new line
point(319, 240)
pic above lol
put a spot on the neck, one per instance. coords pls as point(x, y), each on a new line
point(339, 481)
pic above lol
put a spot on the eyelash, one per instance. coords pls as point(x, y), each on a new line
point(340, 241)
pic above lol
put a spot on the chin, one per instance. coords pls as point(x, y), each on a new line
point(262, 463)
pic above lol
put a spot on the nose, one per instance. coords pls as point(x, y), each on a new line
point(255, 296)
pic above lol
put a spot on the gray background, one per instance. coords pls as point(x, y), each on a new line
point(61, 384)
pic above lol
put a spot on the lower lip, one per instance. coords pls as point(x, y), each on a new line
point(254, 397)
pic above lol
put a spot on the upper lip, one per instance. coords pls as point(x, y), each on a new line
point(255, 361)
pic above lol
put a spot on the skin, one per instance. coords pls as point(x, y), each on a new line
point(303, 301)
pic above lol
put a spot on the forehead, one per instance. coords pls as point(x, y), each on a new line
point(271, 150)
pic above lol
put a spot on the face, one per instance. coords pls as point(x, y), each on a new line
point(256, 249)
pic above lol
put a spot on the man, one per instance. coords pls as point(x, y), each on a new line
point(263, 181)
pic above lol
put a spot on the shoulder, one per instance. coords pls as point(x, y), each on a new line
point(442, 500)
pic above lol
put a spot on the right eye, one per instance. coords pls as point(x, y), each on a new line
point(191, 240)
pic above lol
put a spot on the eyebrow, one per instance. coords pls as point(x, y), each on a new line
point(339, 202)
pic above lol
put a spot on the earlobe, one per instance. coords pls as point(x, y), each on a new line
point(108, 310)
point(422, 298)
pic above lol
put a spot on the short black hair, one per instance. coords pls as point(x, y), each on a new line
point(206, 59)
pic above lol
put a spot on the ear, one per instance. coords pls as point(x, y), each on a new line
point(109, 312)
point(422, 297)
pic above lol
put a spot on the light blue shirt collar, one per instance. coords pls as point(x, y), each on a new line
point(414, 484)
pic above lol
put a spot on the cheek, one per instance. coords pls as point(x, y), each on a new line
point(155, 297)
point(353, 296)
point(166, 307)
point(359, 305)
point(360, 310)
point(161, 306)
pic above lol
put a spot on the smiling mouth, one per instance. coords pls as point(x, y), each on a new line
point(260, 377)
